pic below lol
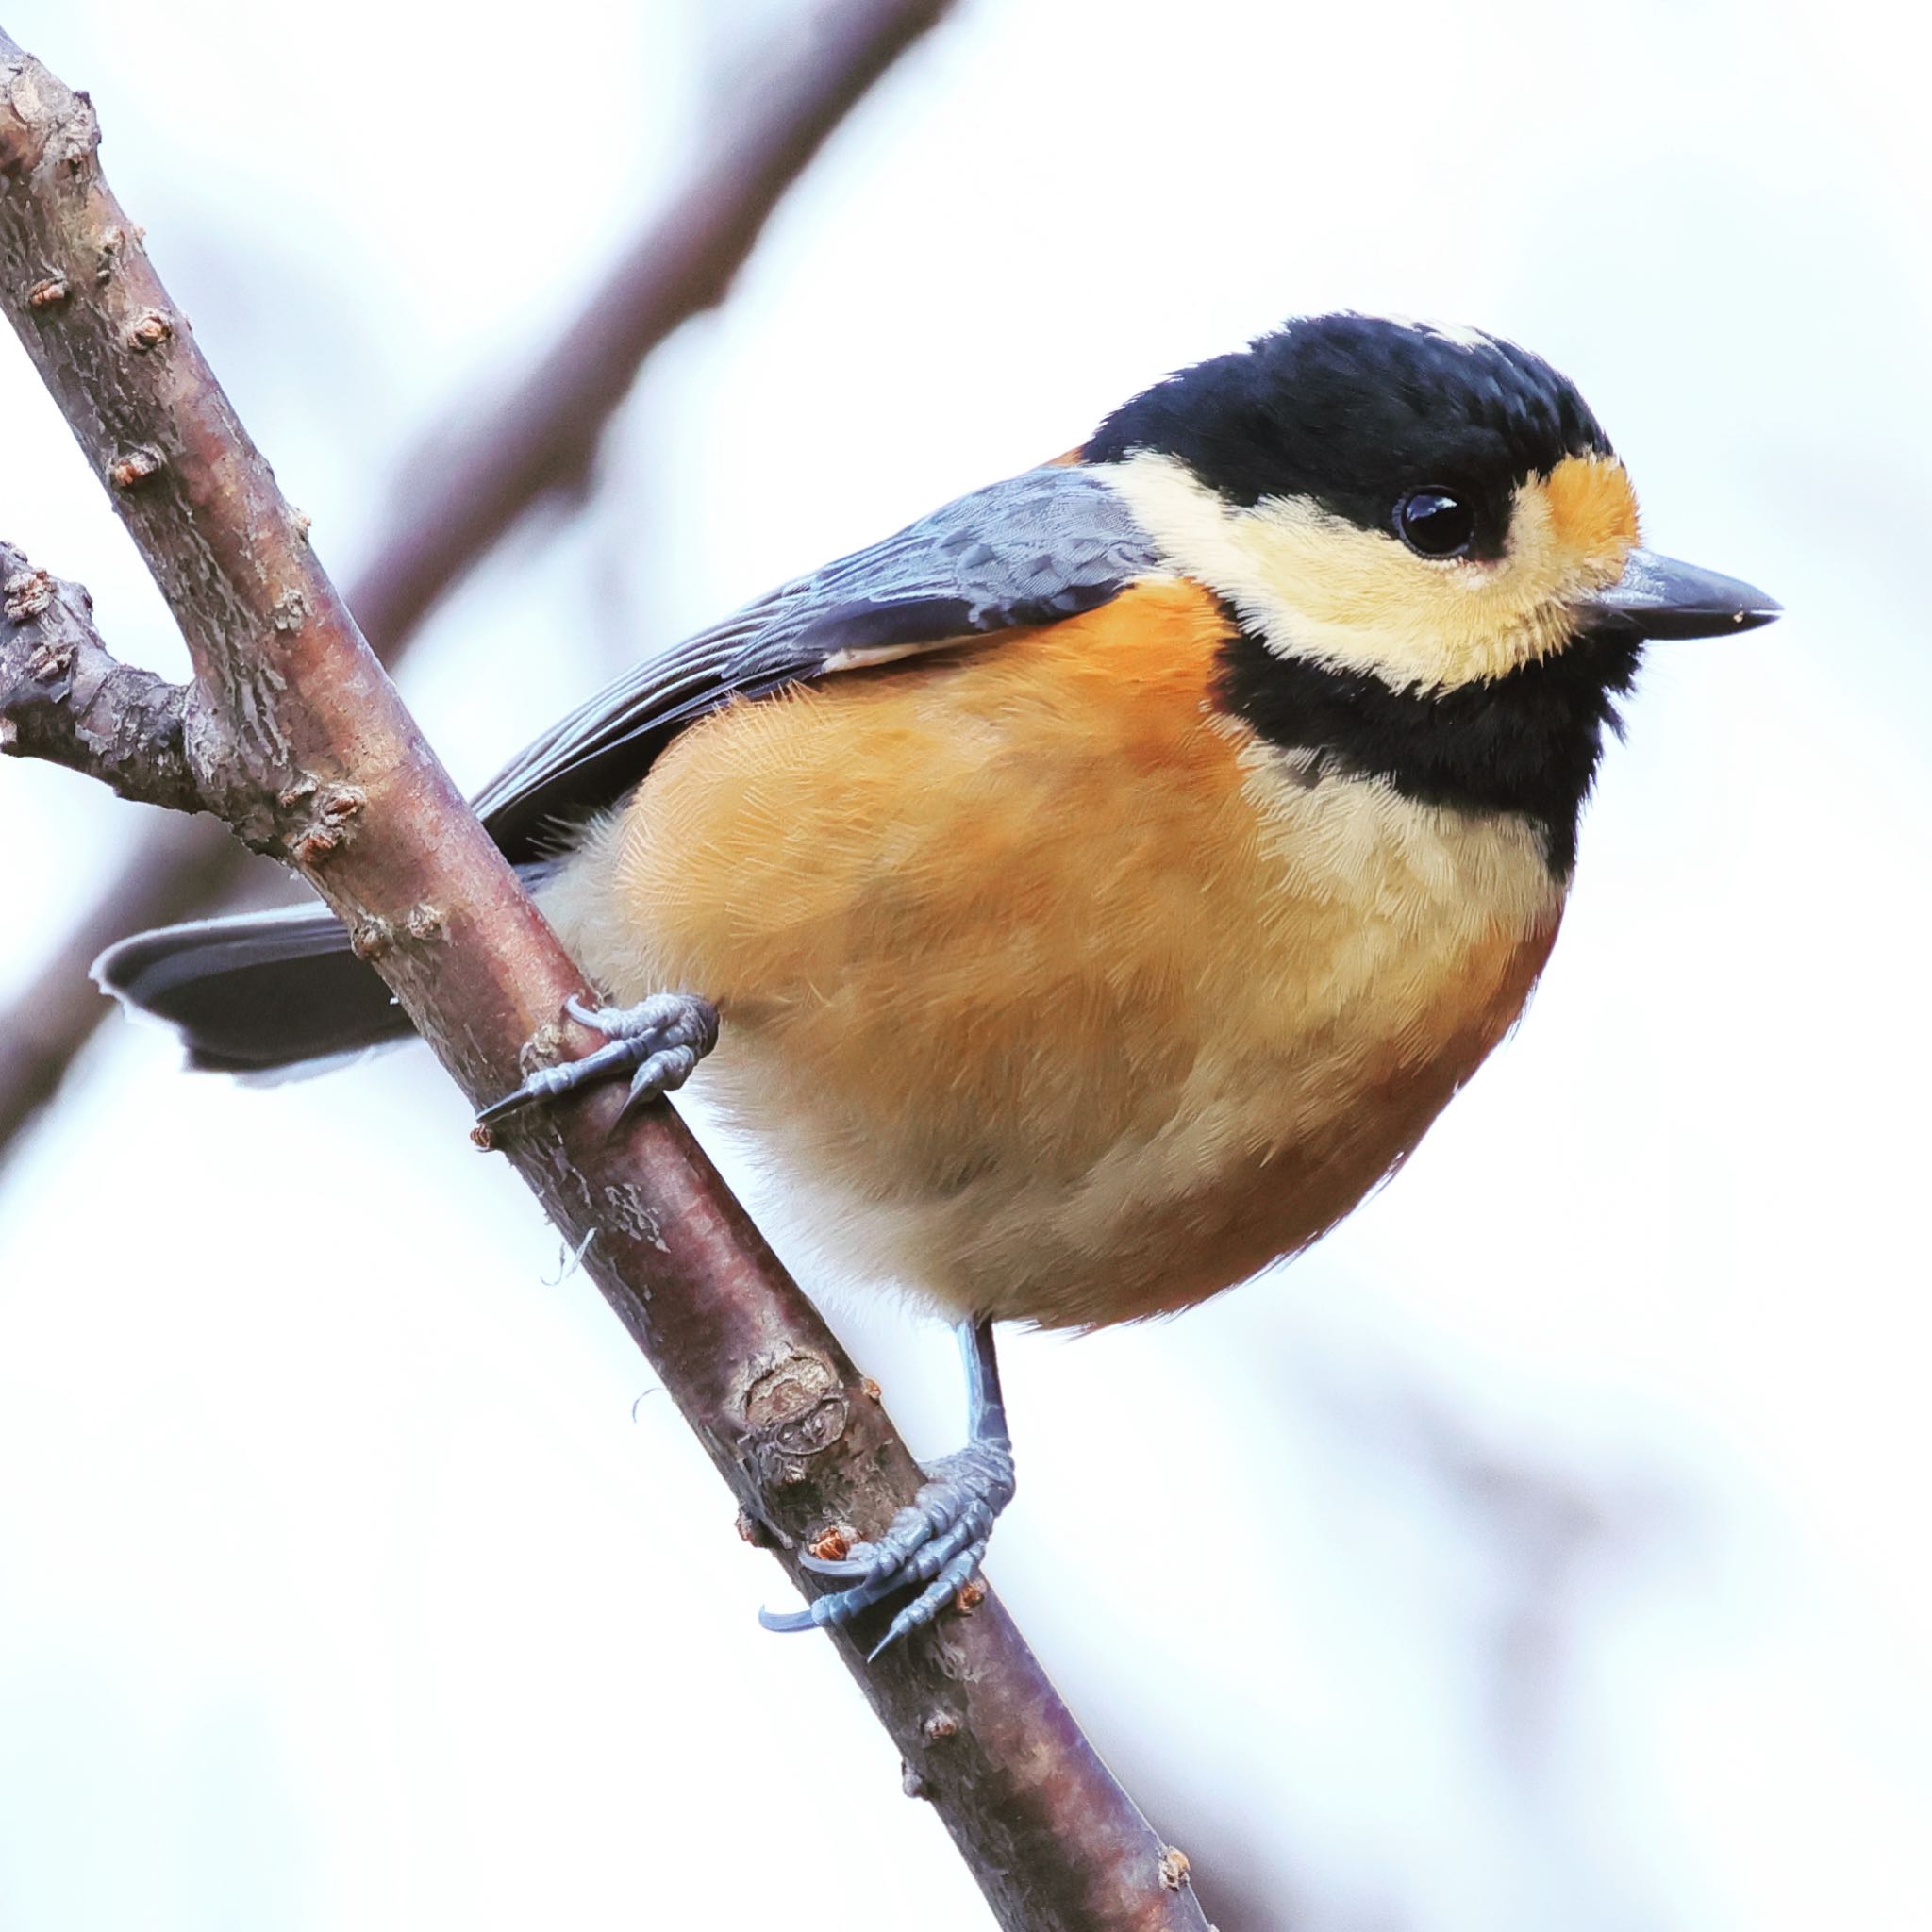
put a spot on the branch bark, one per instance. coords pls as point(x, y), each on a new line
point(464, 491)
point(292, 732)
point(64, 699)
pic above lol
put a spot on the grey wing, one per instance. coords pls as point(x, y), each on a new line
point(1043, 545)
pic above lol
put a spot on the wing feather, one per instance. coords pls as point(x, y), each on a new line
point(1046, 544)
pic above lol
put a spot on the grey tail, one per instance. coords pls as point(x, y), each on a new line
point(260, 992)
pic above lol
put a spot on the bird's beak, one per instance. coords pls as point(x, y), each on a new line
point(1659, 597)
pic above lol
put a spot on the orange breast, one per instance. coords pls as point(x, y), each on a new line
point(1053, 989)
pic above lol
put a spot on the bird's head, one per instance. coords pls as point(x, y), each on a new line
point(1432, 508)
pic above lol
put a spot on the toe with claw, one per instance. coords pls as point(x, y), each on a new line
point(933, 1545)
point(657, 1043)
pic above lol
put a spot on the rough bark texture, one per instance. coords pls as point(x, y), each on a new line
point(466, 489)
point(293, 732)
point(64, 699)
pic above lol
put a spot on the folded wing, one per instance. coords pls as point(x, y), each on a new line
point(1046, 544)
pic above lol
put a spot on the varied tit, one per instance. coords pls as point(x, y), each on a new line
point(1095, 889)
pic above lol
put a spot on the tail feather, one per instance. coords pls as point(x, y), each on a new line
point(256, 992)
point(262, 991)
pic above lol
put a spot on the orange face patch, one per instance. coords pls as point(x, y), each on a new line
point(1592, 509)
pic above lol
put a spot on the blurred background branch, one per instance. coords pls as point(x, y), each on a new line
point(466, 488)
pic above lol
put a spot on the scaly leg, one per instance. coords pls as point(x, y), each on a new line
point(937, 1540)
point(657, 1042)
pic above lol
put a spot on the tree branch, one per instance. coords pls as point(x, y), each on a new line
point(465, 491)
point(294, 732)
point(64, 699)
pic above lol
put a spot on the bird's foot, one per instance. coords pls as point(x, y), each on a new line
point(658, 1042)
point(935, 1541)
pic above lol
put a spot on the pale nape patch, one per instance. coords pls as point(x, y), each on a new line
point(1315, 586)
point(1463, 334)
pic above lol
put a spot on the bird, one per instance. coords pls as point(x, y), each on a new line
point(1089, 894)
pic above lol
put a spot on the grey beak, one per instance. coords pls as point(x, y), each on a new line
point(1659, 597)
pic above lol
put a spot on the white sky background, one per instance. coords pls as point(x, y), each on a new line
point(1546, 1550)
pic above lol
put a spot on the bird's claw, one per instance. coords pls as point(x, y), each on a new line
point(936, 1541)
point(658, 1042)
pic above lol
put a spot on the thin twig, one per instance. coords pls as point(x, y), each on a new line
point(297, 737)
point(465, 491)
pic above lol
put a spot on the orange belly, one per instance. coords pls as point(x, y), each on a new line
point(1059, 994)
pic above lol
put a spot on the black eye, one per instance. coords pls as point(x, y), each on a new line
point(1436, 522)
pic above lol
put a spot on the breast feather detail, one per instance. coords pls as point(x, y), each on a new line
point(1070, 998)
